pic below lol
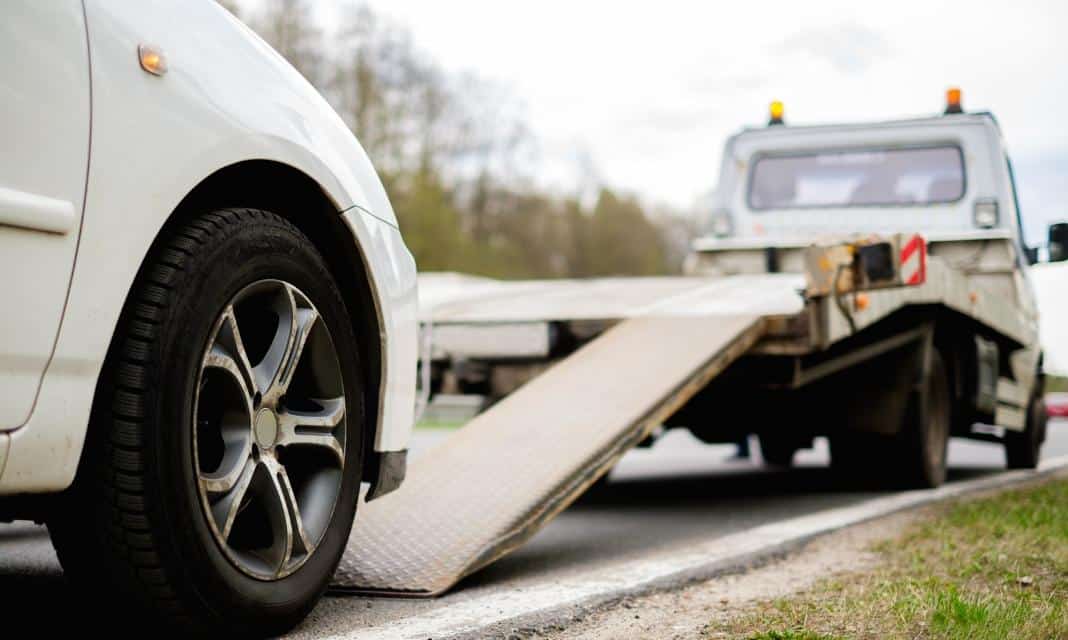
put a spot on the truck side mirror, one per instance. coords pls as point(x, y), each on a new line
point(1058, 242)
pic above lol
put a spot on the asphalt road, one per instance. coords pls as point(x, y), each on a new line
point(676, 493)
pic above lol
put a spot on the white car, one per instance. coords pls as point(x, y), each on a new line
point(207, 312)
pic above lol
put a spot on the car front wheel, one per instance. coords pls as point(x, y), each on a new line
point(221, 471)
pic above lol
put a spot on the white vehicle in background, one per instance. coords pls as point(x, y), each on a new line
point(1050, 282)
point(948, 178)
point(208, 327)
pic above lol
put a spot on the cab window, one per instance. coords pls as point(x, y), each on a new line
point(876, 177)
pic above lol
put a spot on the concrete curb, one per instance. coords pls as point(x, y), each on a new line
point(522, 612)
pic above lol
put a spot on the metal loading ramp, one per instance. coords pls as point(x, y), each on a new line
point(495, 482)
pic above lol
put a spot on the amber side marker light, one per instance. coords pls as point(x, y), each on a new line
point(152, 59)
point(776, 112)
point(953, 101)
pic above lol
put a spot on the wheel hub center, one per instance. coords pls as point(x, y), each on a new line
point(266, 428)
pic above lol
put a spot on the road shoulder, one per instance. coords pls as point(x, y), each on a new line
point(556, 604)
point(822, 585)
point(691, 612)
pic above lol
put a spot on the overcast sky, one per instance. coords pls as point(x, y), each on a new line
point(648, 91)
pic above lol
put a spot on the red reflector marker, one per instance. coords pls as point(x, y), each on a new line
point(914, 261)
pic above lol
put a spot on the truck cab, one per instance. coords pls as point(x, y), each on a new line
point(946, 177)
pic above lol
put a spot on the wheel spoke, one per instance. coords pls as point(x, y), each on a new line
point(218, 358)
point(230, 336)
point(306, 319)
point(314, 428)
point(236, 440)
point(296, 521)
point(270, 366)
point(295, 322)
point(278, 508)
point(226, 509)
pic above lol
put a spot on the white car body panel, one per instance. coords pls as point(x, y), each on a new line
point(44, 129)
point(164, 135)
point(5, 442)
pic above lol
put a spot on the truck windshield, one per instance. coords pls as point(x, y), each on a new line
point(857, 178)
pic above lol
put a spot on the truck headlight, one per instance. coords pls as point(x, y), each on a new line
point(722, 225)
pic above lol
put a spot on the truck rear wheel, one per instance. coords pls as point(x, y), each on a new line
point(852, 453)
point(1023, 448)
point(913, 458)
point(924, 437)
point(778, 450)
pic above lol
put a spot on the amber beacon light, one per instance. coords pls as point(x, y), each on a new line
point(775, 112)
point(953, 101)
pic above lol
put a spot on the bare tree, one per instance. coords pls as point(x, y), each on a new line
point(450, 149)
point(290, 27)
point(232, 6)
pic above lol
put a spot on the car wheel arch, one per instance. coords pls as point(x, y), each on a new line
point(294, 195)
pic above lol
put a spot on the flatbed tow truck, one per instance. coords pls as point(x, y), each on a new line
point(867, 283)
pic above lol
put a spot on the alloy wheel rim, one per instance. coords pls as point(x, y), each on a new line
point(269, 430)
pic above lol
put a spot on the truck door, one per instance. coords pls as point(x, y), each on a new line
point(44, 155)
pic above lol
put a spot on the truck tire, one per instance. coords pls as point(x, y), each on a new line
point(220, 476)
point(777, 450)
point(923, 440)
point(854, 454)
point(1023, 448)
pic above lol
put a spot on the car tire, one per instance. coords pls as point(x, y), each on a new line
point(139, 531)
point(1023, 449)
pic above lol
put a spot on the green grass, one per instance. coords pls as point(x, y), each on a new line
point(982, 569)
point(438, 424)
point(793, 635)
point(1056, 383)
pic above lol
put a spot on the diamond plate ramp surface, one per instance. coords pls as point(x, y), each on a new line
point(495, 482)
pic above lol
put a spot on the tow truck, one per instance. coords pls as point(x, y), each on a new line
point(867, 283)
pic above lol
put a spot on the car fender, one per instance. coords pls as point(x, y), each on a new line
point(225, 98)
